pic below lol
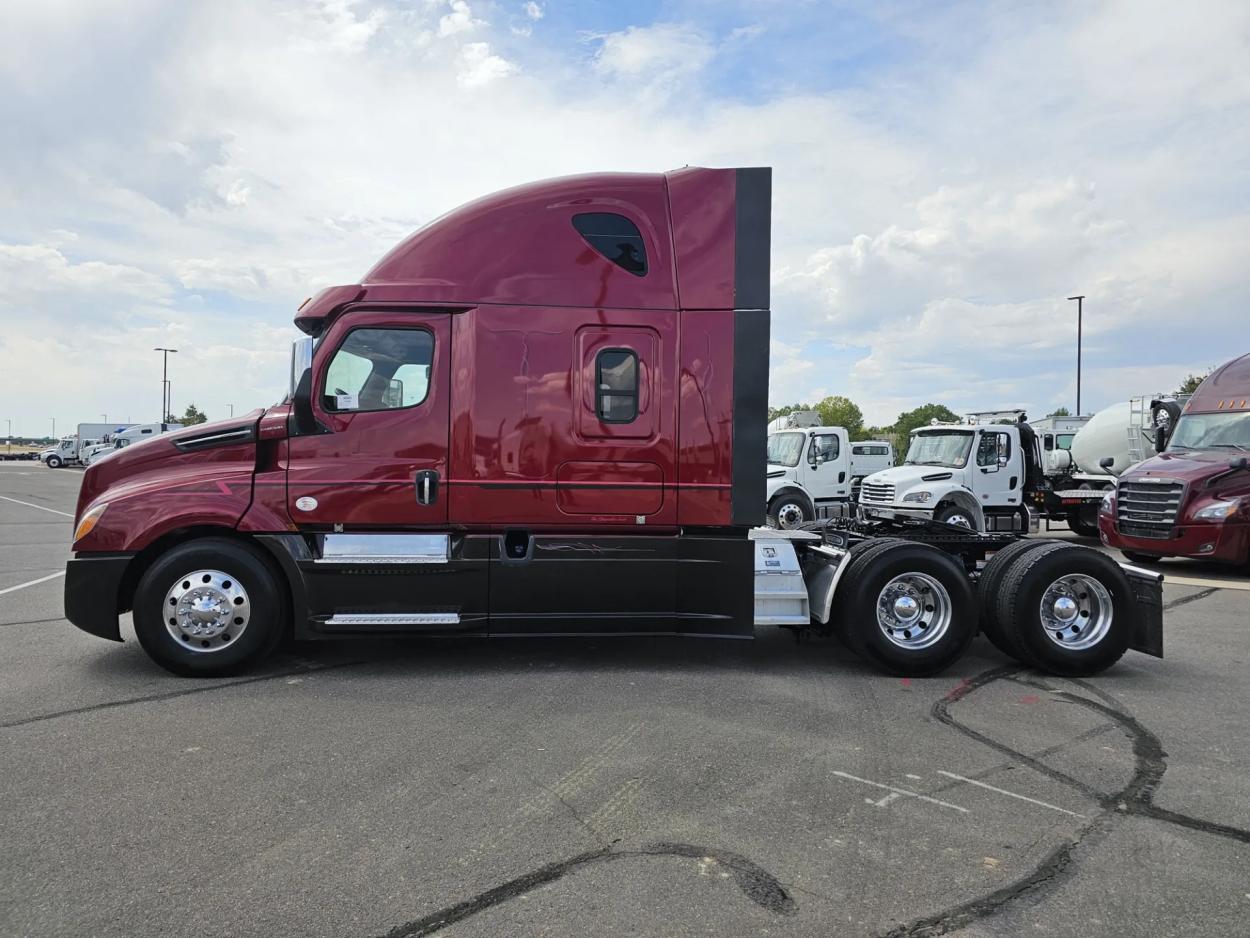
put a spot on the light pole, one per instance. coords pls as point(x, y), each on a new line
point(1080, 302)
point(165, 380)
point(231, 406)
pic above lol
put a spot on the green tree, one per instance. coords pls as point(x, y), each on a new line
point(921, 416)
point(839, 411)
point(1191, 382)
point(190, 417)
point(775, 412)
point(1060, 412)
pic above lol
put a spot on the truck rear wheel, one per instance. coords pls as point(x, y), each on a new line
point(989, 587)
point(208, 608)
point(789, 510)
point(1070, 609)
point(906, 607)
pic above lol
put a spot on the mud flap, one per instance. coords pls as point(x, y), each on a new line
point(1148, 591)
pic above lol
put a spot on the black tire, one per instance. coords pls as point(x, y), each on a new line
point(54, 462)
point(859, 556)
point(786, 502)
point(947, 512)
point(864, 584)
point(1082, 525)
point(1019, 609)
point(1133, 556)
point(989, 588)
point(247, 571)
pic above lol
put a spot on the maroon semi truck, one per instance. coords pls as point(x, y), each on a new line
point(1193, 498)
point(544, 414)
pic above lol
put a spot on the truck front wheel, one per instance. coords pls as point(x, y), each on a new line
point(54, 462)
point(906, 607)
point(208, 608)
point(953, 514)
point(789, 510)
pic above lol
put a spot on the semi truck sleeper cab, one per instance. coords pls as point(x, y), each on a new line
point(543, 414)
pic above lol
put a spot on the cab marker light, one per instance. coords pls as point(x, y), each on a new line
point(88, 522)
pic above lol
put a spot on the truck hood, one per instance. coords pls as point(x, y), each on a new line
point(1187, 466)
point(905, 478)
point(775, 471)
point(179, 458)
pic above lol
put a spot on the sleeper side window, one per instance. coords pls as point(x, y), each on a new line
point(616, 238)
point(616, 385)
point(379, 369)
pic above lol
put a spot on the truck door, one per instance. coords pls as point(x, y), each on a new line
point(381, 394)
point(824, 469)
point(999, 470)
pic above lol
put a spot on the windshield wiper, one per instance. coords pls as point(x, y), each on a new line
point(1236, 446)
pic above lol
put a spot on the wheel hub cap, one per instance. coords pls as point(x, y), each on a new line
point(1076, 611)
point(914, 611)
point(206, 610)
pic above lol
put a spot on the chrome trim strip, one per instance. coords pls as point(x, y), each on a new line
point(395, 618)
point(385, 548)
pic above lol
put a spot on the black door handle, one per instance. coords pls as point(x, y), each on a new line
point(427, 487)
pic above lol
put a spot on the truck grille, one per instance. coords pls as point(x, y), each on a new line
point(1148, 509)
point(882, 493)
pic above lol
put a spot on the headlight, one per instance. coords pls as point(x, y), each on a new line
point(1217, 511)
point(1107, 505)
point(88, 522)
point(917, 496)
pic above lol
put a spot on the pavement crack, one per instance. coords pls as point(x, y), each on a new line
point(1135, 799)
point(169, 695)
point(756, 883)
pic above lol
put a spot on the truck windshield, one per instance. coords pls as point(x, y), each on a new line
point(1212, 431)
point(784, 449)
point(939, 448)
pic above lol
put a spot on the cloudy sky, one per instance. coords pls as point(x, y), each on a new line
point(184, 174)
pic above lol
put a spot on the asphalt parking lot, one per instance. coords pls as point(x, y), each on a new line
point(627, 786)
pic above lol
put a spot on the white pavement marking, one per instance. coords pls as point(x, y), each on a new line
point(31, 505)
point(42, 579)
point(902, 791)
point(1010, 794)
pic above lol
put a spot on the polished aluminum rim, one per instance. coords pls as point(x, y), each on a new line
point(914, 611)
point(206, 611)
point(790, 515)
point(959, 520)
point(1076, 612)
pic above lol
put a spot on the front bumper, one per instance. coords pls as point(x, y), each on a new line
point(1227, 543)
point(93, 592)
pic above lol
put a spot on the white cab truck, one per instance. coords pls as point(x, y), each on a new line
point(813, 472)
point(72, 450)
point(125, 438)
point(972, 475)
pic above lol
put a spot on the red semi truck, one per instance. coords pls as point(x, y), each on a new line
point(543, 414)
point(1193, 498)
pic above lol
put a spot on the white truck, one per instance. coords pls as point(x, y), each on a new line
point(998, 473)
point(70, 450)
point(795, 420)
point(123, 439)
point(814, 471)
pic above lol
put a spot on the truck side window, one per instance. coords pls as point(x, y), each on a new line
point(992, 448)
point(379, 369)
point(616, 385)
point(824, 448)
point(616, 238)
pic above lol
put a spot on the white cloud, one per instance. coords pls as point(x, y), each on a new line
point(478, 66)
point(459, 20)
point(533, 10)
point(658, 56)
